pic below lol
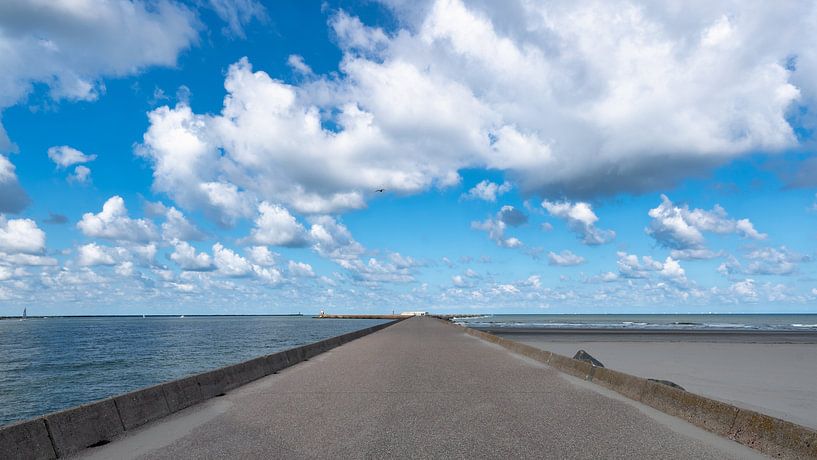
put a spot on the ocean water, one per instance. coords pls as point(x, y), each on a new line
point(801, 323)
point(55, 363)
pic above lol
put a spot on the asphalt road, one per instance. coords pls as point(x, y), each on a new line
point(419, 389)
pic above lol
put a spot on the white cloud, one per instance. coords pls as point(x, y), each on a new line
point(81, 175)
point(93, 254)
point(487, 191)
point(771, 261)
point(12, 196)
point(229, 263)
point(237, 14)
point(124, 269)
point(64, 156)
point(186, 257)
point(261, 255)
point(21, 236)
point(680, 228)
point(496, 232)
point(695, 254)
point(177, 227)
point(333, 240)
point(629, 266)
point(297, 63)
point(70, 45)
point(301, 269)
point(581, 220)
point(564, 259)
point(376, 271)
point(745, 289)
point(572, 99)
point(276, 226)
point(113, 223)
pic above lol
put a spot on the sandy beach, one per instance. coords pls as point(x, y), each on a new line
point(773, 373)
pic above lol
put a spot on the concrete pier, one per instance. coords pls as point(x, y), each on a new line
point(422, 389)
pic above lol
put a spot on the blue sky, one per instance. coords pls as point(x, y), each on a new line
point(546, 157)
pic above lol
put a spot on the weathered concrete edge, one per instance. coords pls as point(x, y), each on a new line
point(769, 435)
point(65, 432)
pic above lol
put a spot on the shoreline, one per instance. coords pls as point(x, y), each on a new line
point(650, 335)
point(767, 371)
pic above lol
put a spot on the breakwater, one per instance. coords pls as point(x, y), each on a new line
point(65, 432)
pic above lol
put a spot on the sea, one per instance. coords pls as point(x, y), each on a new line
point(734, 322)
point(49, 364)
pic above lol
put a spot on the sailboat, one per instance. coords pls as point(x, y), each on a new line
point(24, 314)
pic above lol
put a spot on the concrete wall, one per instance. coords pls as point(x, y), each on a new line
point(770, 435)
point(65, 432)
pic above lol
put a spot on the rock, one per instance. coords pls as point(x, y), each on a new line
point(582, 355)
point(667, 383)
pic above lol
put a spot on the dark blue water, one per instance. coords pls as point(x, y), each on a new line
point(51, 364)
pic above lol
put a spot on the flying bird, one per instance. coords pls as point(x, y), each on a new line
point(380, 190)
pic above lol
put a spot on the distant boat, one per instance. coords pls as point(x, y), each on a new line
point(143, 316)
point(24, 314)
point(181, 316)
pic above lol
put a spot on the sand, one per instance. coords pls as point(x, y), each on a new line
point(770, 373)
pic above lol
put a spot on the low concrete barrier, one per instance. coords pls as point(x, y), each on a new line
point(276, 362)
point(84, 426)
point(625, 384)
point(770, 435)
point(182, 393)
point(141, 406)
point(706, 413)
point(66, 432)
point(246, 372)
point(574, 367)
point(28, 439)
point(213, 383)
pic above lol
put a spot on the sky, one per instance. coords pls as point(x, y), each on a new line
point(220, 157)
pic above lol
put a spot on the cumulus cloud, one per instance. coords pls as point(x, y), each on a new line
point(300, 269)
point(333, 240)
point(188, 259)
point(113, 223)
point(93, 254)
point(745, 290)
point(276, 226)
point(581, 220)
point(487, 191)
point(229, 263)
point(496, 232)
point(572, 99)
point(629, 266)
point(297, 63)
point(70, 46)
point(20, 236)
point(81, 175)
point(764, 261)
point(64, 156)
point(13, 198)
point(680, 228)
point(564, 259)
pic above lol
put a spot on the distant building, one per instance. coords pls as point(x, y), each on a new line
point(414, 313)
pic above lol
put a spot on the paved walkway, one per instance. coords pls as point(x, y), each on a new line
point(419, 389)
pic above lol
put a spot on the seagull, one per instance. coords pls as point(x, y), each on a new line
point(380, 190)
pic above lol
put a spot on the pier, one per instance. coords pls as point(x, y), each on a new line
point(421, 388)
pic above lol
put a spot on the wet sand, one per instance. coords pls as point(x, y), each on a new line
point(773, 373)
